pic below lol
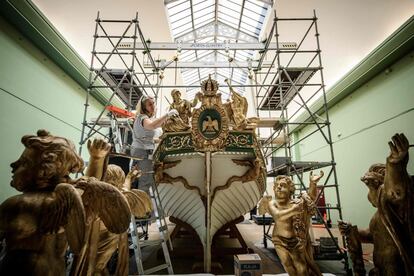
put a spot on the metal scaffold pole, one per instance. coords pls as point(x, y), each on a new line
point(279, 89)
point(88, 91)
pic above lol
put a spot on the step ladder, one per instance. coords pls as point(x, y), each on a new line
point(140, 241)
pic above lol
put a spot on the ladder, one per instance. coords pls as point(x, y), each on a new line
point(140, 240)
point(139, 243)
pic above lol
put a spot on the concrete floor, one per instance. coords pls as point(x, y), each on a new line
point(184, 263)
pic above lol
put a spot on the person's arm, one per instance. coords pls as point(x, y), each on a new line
point(396, 178)
point(150, 124)
point(313, 181)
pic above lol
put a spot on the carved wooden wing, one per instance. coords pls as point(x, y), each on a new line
point(107, 202)
point(65, 209)
point(139, 202)
point(228, 110)
point(264, 205)
point(245, 106)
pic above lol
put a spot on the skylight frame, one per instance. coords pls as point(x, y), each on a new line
point(217, 21)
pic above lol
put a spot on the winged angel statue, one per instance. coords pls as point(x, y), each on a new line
point(54, 211)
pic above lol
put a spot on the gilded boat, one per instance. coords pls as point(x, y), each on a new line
point(212, 174)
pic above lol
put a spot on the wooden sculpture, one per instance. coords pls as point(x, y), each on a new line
point(182, 121)
point(236, 109)
point(391, 229)
point(53, 211)
point(182, 106)
point(292, 221)
point(140, 205)
point(106, 208)
point(39, 223)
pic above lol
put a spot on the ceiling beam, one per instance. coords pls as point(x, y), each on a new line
point(206, 46)
point(215, 34)
point(204, 64)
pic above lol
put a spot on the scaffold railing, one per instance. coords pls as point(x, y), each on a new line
point(286, 89)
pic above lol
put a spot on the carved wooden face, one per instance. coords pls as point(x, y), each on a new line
point(282, 189)
point(176, 96)
point(25, 169)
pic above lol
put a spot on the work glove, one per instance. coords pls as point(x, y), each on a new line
point(172, 112)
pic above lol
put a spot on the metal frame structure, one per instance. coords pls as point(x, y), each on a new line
point(288, 85)
point(126, 81)
point(116, 64)
point(277, 86)
point(223, 24)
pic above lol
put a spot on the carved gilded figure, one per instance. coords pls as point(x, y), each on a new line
point(391, 229)
point(140, 205)
point(354, 246)
point(107, 210)
point(162, 177)
point(291, 231)
point(53, 211)
point(182, 106)
point(209, 124)
point(39, 223)
point(182, 121)
point(255, 169)
point(236, 109)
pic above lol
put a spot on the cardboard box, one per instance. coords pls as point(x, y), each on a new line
point(247, 265)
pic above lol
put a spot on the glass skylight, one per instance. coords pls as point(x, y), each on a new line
point(216, 21)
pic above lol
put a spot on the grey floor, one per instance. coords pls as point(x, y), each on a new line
point(187, 263)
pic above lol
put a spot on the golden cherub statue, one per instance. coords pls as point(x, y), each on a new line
point(391, 229)
point(292, 221)
point(140, 205)
point(95, 255)
point(52, 210)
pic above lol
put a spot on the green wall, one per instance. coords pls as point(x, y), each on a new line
point(34, 93)
point(362, 124)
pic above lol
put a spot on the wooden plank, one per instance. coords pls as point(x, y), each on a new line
point(273, 122)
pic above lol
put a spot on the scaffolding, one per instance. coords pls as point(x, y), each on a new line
point(294, 79)
point(287, 77)
point(119, 70)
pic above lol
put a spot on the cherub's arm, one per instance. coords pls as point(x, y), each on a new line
point(133, 174)
point(353, 243)
point(282, 214)
point(313, 181)
point(396, 178)
point(264, 204)
point(98, 150)
point(345, 228)
point(18, 217)
point(197, 98)
point(365, 236)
